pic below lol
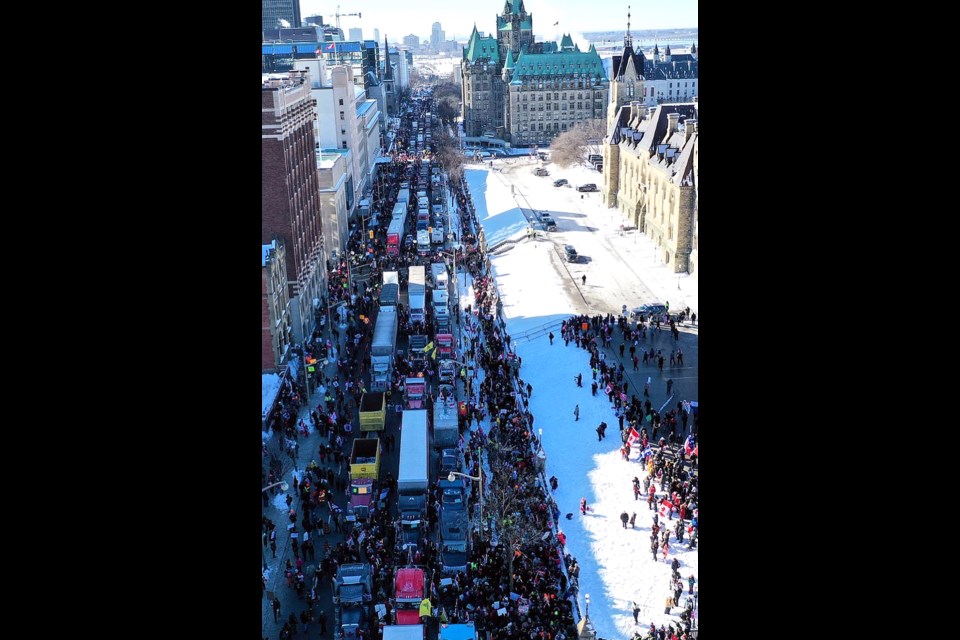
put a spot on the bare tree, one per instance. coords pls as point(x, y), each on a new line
point(447, 150)
point(509, 502)
point(446, 97)
point(572, 146)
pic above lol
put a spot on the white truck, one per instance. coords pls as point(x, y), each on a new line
point(438, 271)
point(383, 348)
point(423, 242)
point(404, 632)
point(416, 290)
point(413, 476)
point(446, 432)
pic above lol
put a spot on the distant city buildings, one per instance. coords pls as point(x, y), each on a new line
point(527, 92)
point(437, 37)
point(411, 41)
point(356, 34)
point(280, 13)
point(289, 192)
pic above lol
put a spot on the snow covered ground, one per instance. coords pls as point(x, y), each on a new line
point(269, 386)
point(538, 288)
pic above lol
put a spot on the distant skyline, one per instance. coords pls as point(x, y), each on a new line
point(397, 19)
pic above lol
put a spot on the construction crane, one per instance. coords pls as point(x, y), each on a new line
point(338, 14)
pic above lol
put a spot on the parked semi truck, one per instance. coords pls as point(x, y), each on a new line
point(438, 271)
point(413, 391)
point(413, 475)
point(408, 591)
point(417, 293)
point(352, 595)
point(383, 348)
point(364, 472)
point(446, 432)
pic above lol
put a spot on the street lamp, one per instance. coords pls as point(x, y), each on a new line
point(479, 479)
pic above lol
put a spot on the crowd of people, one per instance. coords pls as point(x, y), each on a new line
point(520, 582)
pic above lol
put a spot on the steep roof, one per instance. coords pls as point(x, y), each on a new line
point(559, 64)
point(566, 43)
point(481, 48)
point(682, 66)
point(509, 60)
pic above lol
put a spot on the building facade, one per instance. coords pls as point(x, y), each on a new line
point(276, 332)
point(355, 34)
point(289, 192)
point(437, 37)
point(333, 175)
point(528, 92)
point(411, 41)
point(649, 174)
point(276, 10)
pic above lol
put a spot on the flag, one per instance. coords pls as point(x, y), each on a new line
point(556, 23)
point(318, 51)
point(633, 436)
point(665, 507)
point(646, 453)
point(330, 47)
point(689, 445)
point(429, 347)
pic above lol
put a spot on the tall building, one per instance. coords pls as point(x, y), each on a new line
point(411, 41)
point(356, 34)
point(276, 10)
point(650, 163)
point(289, 192)
point(376, 35)
point(528, 92)
point(437, 37)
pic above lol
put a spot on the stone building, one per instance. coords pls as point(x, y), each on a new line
point(289, 192)
point(527, 92)
point(648, 171)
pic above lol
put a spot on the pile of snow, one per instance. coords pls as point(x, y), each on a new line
point(269, 386)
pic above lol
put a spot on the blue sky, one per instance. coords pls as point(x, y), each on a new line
point(397, 18)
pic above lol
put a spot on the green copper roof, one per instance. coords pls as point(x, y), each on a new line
point(506, 25)
point(566, 43)
point(559, 64)
point(550, 47)
point(509, 58)
point(479, 48)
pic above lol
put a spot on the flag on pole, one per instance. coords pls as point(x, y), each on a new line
point(556, 23)
point(633, 437)
point(646, 453)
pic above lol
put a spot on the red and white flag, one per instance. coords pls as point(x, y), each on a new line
point(665, 508)
point(633, 437)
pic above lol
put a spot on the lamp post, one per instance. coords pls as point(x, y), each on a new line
point(479, 479)
point(283, 485)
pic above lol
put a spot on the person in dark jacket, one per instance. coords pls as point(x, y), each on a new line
point(623, 518)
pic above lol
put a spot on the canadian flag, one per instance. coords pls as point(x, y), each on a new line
point(633, 437)
point(688, 446)
point(665, 508)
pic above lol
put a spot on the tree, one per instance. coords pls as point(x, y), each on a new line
point(584, 138)
point(446, 97)
point(447, 151)
point(509, 502)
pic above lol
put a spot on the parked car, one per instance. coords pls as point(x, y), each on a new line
point(560, 182)
point(595, 157)
point(588, 187)
point(544, 217)
point(570, 253)
point(540, 171)
point(652, 308)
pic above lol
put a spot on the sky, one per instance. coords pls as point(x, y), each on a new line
point(396, 19)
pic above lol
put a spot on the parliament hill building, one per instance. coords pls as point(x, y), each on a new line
point(526, 92)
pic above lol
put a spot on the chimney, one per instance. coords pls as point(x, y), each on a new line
point(689, 128)
point(672, 120)
point(636, 113)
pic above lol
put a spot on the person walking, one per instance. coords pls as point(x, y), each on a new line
point(633, 520)
point(584, 278)
point(580, 380)
point(624, 518)
point(576, 413)
point(636, 612)
point(276, 609)
point(669, 386)
point(551, 338)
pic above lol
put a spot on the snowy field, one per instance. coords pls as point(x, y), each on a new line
point(538, 288)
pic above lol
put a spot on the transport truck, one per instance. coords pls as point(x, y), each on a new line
point(413, 476)
point(446, 432)
point(383, 348)
point(416, 290)
point(373, 411)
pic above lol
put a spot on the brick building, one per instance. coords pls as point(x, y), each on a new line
point(289, 192)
